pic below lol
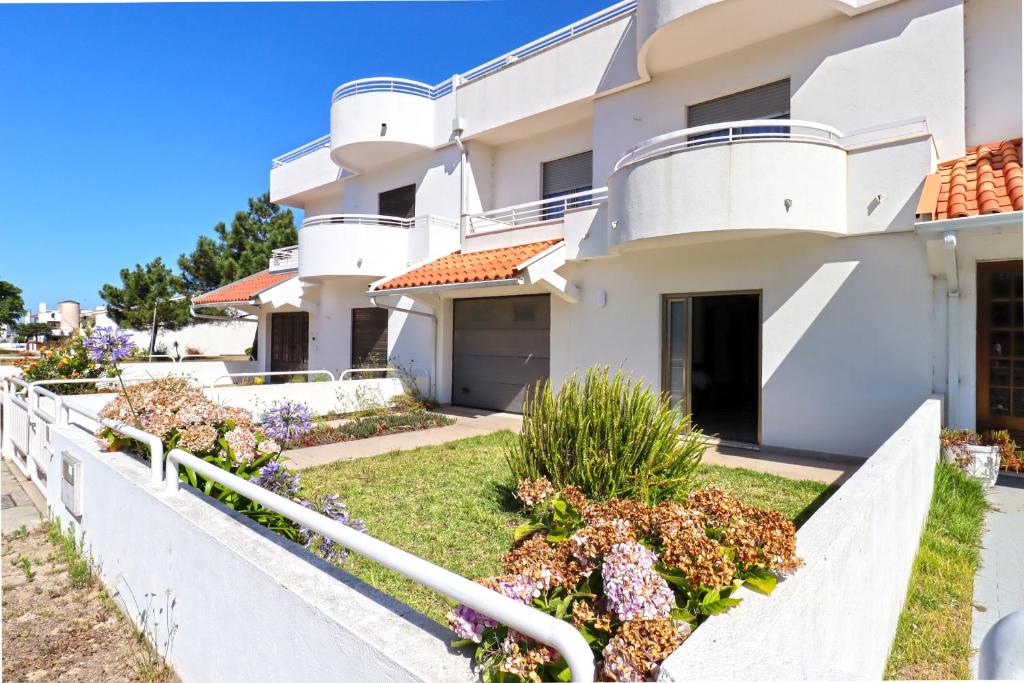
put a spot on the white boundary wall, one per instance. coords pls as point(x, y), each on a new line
point(341, 396)
point(835, 618)
point(232, 589)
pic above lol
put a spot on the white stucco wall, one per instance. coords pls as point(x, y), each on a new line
point(835, 618)
point(435, 174)
point(211, 339)
point(245, 603)
point(846, 327)
point(517, 170)
point(993, 70)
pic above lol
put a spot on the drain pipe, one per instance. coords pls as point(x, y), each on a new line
point(458, 126)
point(247, 318)
point(396, 309)
point(952, 330)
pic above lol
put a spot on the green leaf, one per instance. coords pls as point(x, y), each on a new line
point(526, 529)
point(762, 581)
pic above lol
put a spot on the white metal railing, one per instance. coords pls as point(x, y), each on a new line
point(272, 373)
point(403, 86)
point(299, 152)
point(285, 258)
point(523, 618)
point(347, 374)
point(727, 132)
point(532, 213)
point(383, 221)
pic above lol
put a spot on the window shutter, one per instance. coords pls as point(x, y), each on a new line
point(769, 101)
point(571, 174)
point(400, 202)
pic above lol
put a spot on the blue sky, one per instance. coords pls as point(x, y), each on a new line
point(129, 130)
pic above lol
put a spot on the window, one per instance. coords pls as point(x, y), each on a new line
point(400, 202)
point(369, 338)
point(769, 101)
point(564, 177)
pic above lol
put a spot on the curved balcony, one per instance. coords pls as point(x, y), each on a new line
point(708, 182)
point(375, 121)
point(370, 246)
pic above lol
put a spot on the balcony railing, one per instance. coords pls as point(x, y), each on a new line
point(729, 132)
point(373, 219)
point(533, 213)
point(286, 258)
point(408, 87)
point(300, 152)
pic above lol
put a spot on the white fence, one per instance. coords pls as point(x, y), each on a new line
point(834, 619)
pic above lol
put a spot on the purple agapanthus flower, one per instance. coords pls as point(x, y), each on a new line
point(276, 478)
point(286, 421)
point(329, 506)
point(107, 345)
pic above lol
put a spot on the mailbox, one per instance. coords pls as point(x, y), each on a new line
point(71, 483)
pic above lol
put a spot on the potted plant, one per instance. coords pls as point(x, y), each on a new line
point(978, 455)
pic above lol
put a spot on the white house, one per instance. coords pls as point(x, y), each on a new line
point(798, 217)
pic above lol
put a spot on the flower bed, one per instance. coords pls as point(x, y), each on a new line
point(634, 579)
point(370, 425)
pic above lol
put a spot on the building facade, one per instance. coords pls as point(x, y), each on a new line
point(797, 217)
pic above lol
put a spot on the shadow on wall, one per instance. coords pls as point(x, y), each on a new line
point(850, 354)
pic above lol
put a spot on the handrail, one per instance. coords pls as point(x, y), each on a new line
point(376, 219)
point(532, 213)
point(389, 84)
point(731, 131)
point(516, 615)
point(271, 373)
point(299, 152)
point(345, 373)
point(154, 443)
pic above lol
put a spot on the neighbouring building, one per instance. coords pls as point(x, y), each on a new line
point(797, 217)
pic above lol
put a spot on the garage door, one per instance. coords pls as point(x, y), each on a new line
point(501, 347)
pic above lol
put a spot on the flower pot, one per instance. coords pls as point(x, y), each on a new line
point(979, 462)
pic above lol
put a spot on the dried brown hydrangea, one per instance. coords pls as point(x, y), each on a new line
point(595, 539)
point(639, 646)
point(548, 565)
point(574, 497)
point(523, 661)
point(591, 614)
point(686, 547)
point(636, 513)
point(533, 491)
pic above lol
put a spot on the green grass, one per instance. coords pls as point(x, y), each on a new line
point(452, 504)
point(933, 638)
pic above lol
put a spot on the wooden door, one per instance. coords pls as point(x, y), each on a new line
point(369, 338)
point(289, 343)
point(1000, 398)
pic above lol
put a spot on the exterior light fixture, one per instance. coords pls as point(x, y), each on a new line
point(383, 129)
point(602, 298)
point(359, 262)
point(788, 203)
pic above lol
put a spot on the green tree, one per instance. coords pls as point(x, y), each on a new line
point(12, 306)
point(239, 250)
point(150, 296)
point(26, 331)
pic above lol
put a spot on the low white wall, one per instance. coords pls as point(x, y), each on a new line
point(212, 338)
point(342, 396)
point(204, 371)
point(244, 603)
point(835, 618)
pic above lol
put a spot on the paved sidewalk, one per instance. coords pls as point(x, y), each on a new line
point(782, 465)
point(18, 507)
point(999, 585)
point(468, 423)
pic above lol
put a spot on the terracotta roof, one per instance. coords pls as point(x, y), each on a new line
point(245, 289)
point(986, 180)
point(478, 266)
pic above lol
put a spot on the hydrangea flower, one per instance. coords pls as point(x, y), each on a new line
point(276, 478)
point(287, 421)
point(632, 588)
point(107, 345)
point(329, 506)
point(467, 623)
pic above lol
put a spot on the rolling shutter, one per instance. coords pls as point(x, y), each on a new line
point(369, 338)
point(400, 202)
point(571, 174)
point(769, 101)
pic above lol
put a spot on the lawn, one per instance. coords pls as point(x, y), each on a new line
point(933, 638)
point(452, 505)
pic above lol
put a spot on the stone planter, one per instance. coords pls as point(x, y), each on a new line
point(983, 464)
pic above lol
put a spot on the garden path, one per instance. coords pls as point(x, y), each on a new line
point(468, 422)
point(999, 584)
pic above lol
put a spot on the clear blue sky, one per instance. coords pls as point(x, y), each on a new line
point(127, 131)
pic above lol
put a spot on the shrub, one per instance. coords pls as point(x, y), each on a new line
point(610, 436)
point(1011, 457)
point(66, 359)
point(634, 579)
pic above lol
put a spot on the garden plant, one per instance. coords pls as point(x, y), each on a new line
point(65, 359)
point(609, 436)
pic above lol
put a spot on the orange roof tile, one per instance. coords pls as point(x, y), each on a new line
point(986, 180)
point(245, 289)
point(478, 266)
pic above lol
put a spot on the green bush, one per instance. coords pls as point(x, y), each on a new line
point(610, 436)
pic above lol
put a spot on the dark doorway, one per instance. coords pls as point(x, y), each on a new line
point(712, 362)
point(400, 202)
point(289, 344)
point(369, 338)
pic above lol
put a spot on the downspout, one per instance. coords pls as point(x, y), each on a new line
point(396, 309)
point(952, 330)
point(457, 129)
